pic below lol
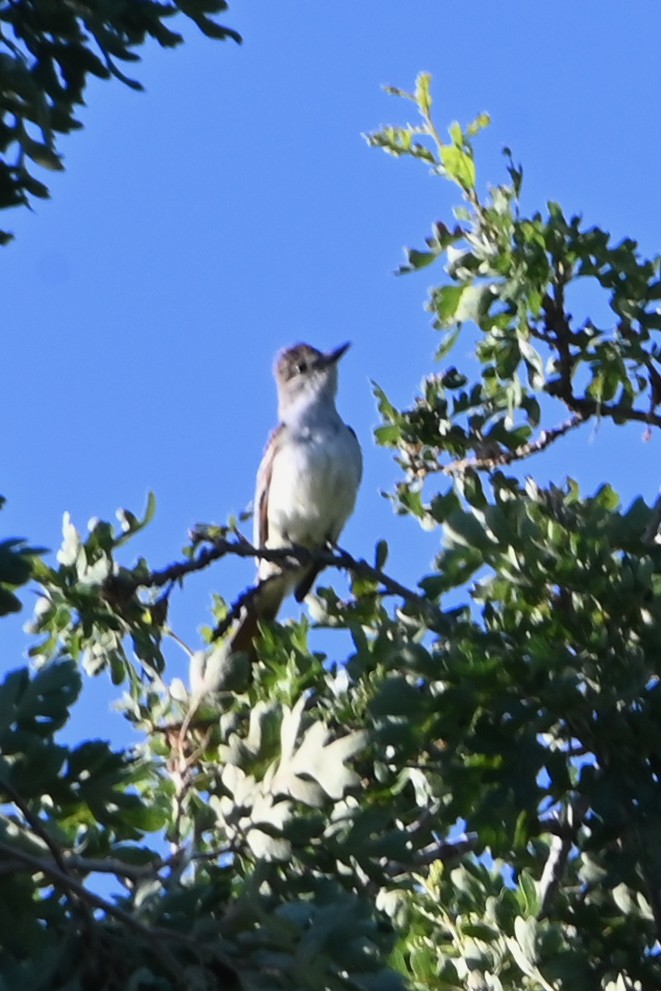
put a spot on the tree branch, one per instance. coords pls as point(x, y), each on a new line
point(326, 558)
point(445, 851)
point(155, 937)
point(564, 829)
point(586, 407)
point(557, 326)
point(39, 830)
point(35, 823)
point(119, 587)
point(545, 439)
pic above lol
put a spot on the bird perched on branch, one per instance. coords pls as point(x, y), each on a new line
point(307, 481)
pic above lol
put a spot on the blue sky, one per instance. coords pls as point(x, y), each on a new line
point(234, 208)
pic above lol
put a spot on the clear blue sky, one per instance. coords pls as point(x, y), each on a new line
point(234, 208)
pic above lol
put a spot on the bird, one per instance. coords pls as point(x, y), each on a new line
point(307, 482)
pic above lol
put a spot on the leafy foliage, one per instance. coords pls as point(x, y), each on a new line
point(469, 800)
point(48, 51)
point(16, 563)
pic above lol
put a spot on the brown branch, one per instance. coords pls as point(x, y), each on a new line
point(88, 865)
point(564, 829)
point(119, 587)
point(646, 863)
point(556, 322)
point(545, 439)
point(110, 865)
point(240, 603)
point(155, 937)
point(35, 823)
point(326, 558)
point(586, 407)
point(445, 851)
point(40, 830)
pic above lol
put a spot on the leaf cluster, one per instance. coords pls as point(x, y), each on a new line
point(546, 678)
point(508, 276)
point(49, 50)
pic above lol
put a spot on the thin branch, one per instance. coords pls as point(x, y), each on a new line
point(650, 875)
point(35, 823)
point(564, 829)
point(110, 865)
point(326, 558)
point(557, 326)
point(554, 868)
point(121, 586)
point(652, 529)
point(240, 603)
point(545, 439)
point(618, 412)
point(40, 830)
point(61, 879)
point(446, 852)
point(135, 872)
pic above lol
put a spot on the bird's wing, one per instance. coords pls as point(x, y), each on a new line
point(264, 475)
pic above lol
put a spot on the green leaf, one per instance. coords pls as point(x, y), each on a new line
point(463, 529)
point(15, 562)
point(9, 602)
point(315, 758)
point(40, 153)
point(43, 705)
point(446, 302)
point(380, 555)
point(459, 166)
point(422, 93)
point(131, 524)
point(447, 344)
point(396, 697)
point(417, 260)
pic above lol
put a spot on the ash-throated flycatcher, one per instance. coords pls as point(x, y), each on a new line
point(307, 481)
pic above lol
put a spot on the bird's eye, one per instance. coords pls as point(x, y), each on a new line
point(301, 367)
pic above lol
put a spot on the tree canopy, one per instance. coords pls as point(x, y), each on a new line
point(471, 798)
point(48, 51)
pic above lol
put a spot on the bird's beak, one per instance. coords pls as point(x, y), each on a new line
point(333, 356)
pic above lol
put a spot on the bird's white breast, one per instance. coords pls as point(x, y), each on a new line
point(313, 486)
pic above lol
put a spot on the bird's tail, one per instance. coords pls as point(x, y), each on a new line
point(262, 607)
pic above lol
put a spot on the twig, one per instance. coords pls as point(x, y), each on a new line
point(63, 880)
point(564, 829)
point(651, 532)
point(612, 411)
point(39, 829)
point(240, 603)
point(35, 823)
point(545, 439)
point(110, 865)
point(649, 873)
point(326, 558)
point(288, 557)
point(446, 852)
point(557, 325)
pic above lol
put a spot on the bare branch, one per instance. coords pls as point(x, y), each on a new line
point(619, 412)
point(120, 586)
point(652, 529)
point(157, 938)
point(557, 327)
point(545, 439)
point(564, 829)
point(39, 829)
point(445, 851)
point(35, 823)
